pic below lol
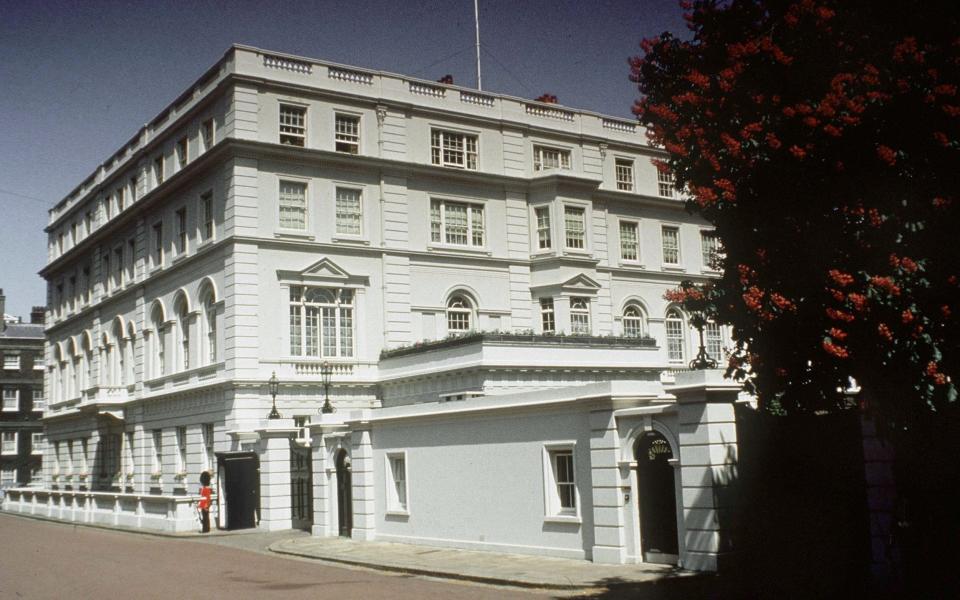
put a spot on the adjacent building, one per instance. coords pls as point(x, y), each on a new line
point(454, 300)
point(21, 388)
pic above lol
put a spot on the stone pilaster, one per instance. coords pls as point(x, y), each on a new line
point(609, 543)
point(321, 484)
point(364, 518)
point(708, 471)
point(275, 509)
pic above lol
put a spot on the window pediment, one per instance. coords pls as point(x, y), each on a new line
point(323, 271)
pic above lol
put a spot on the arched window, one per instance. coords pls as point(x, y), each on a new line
point(674, 326)
point(713, 340)
point(459, 314)
point(158, 344)
point(580, 316)
point(105, 360)
point(74, 364)
point(130, 353)
point(119, 364)
point(87, 349)
point(321, 321)
point(633, 322)
point(183, 333)
point(209, 324)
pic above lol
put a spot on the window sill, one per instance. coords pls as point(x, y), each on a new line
point(566, 519)
point(674, 268)
point(179, 258)
point(398, 513)
point(295, 234)
point(350, 240)
point(459, 249)
point(207, 242)
point(578, 252)
point(626, 264)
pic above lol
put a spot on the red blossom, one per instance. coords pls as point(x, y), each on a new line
point(887, 154)
point(772, 141)
point(798, 152)
point(941, 138)
point(945, 311)
point(842, 279)
point(885, 332)
point(811, 121)
point(886, 284)
point(835, 350)
point(906, 317)
point(837, 334)
point(859, 301)
point(839, 315)
point(939, 202)
point(832, 130)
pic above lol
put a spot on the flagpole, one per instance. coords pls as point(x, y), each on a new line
point(476, 20)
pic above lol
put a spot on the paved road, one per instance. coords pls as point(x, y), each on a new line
point(40, 559)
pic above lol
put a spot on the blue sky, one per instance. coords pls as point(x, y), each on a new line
point(78, 78)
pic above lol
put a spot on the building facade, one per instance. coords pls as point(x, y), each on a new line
point(473, 282)
point(21, 387)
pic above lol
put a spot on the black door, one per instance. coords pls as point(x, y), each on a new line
point(240, 481)
point(344, 494)
point(301, 487)
point(657, 499)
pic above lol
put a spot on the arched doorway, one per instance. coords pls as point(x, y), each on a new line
point(344, 494)
point(657, 499)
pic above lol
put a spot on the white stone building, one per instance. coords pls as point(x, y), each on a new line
point(484, 276)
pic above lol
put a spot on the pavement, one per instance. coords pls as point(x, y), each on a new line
point(491, 568)
point(495, 568)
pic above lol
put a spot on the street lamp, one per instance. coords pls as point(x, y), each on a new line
point(702, 360)
point(274, 385)
point(326, 371)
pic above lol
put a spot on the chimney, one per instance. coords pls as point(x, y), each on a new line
point(37, 314)
point(3, 311)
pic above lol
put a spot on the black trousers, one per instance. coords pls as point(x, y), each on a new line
point(205, 519)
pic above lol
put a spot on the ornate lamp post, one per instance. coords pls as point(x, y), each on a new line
point(326, 372)
point(702, 360)
point(274, 385)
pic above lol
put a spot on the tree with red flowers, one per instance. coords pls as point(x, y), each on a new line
point(822, 139)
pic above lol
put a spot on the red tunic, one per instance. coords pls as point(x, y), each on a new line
point(204, 503)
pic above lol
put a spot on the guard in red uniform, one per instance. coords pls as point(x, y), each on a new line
point(204, 504)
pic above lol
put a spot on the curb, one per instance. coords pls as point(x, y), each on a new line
point(489, 580)
point(428, 573)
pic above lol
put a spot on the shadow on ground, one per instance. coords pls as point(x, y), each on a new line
point(711, 587)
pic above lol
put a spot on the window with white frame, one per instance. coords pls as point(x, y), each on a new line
point(39, 402)
point(181, 449)
point(158, 340)
point(548, 320)
point(11, 399)
point(580, 316)
point(157, 436)
point(624, 169)
point(451, 149)
point(132, 186)
point(560, 481)
point(131, 259)
point(8, 475)
point(88, 222)
point(11, 361)
point(349, 211)
point(183, 331)
point(206, 216)
point(633, 322)
point(321, 322)
point(574, 227)
point(674, 328)
point(546, 158)
point(709, 249)
point(665, 182)
point(181, 225)
point(181, 152)
point(118, 267)
point(293, 125)
point(397, 475)
point(207, 134)
point(347, 133)
point(459, 314)
point(670, 238)
point(82, 458)
point(713, 340)
point(544, 235)
point(210, 324)
point(629, 241)
point(108, 201)
point(120, 199)
point(456, 223)
point(157, 253)
point(9, 445)
point(36, 474)
point(293, 205)
point(210, 460)
point(36, 443)
point(157, 174)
